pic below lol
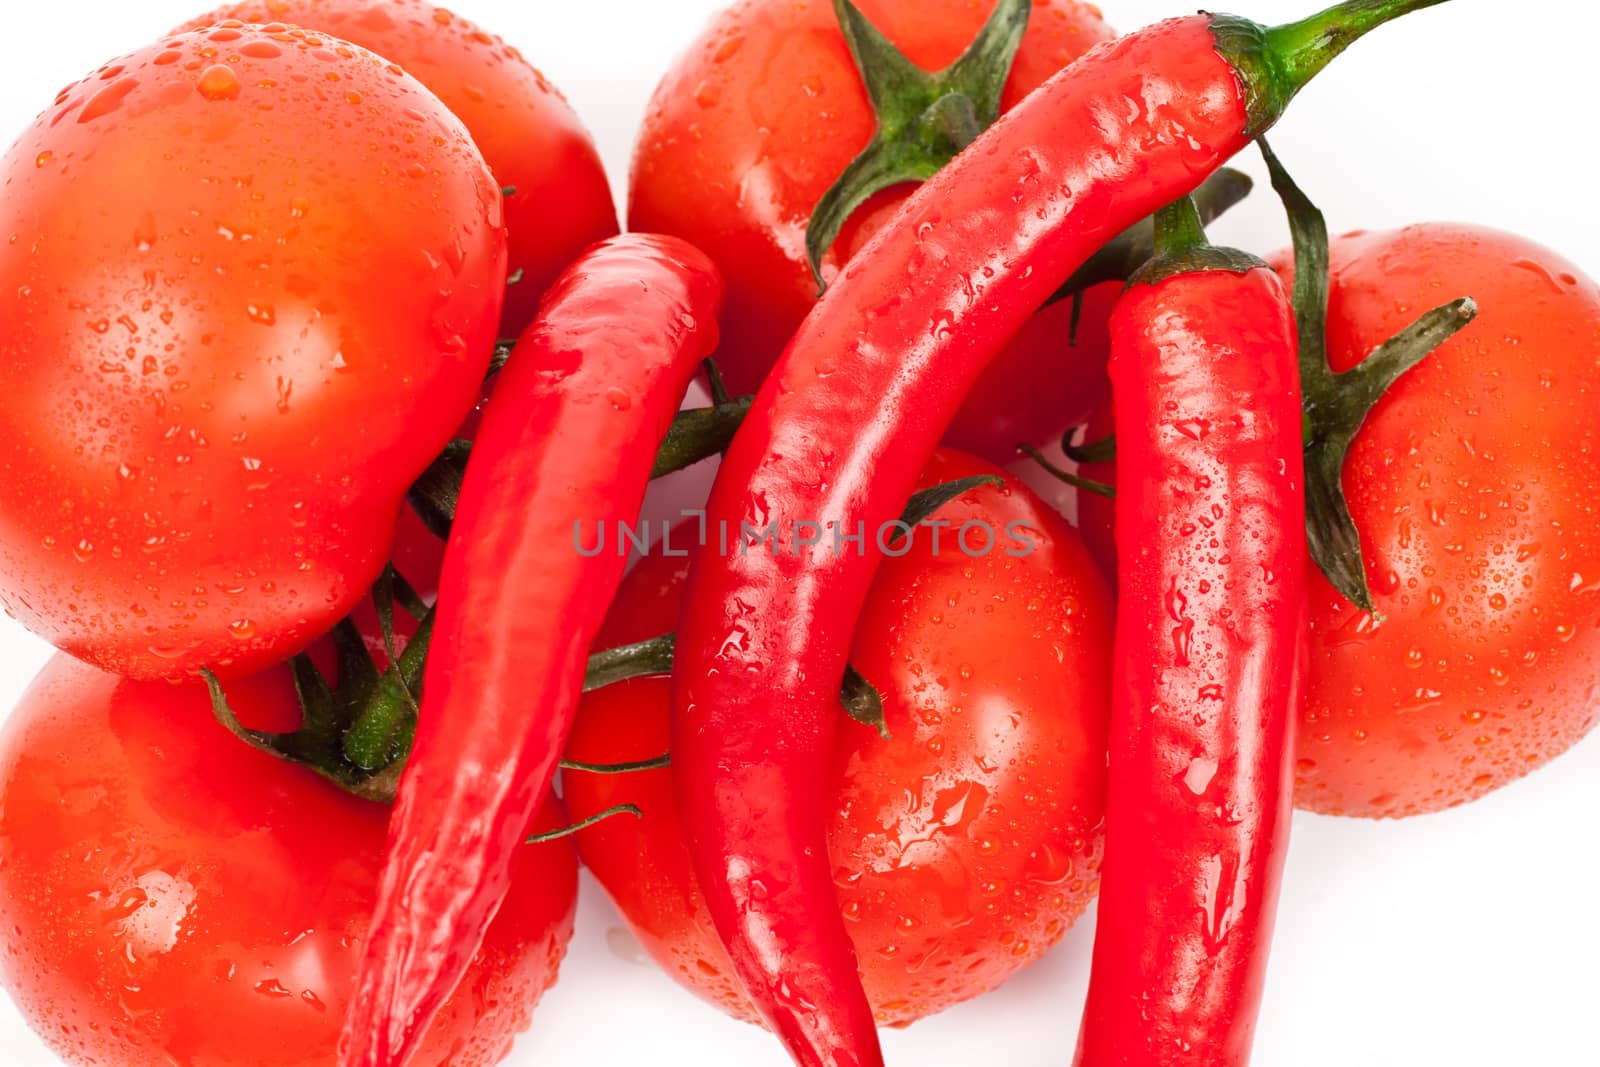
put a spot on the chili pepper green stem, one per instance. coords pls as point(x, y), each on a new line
point(1181, 248)
point(1276, 63)
point(1179, 229)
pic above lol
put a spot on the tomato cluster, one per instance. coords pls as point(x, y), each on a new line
point(271, 279)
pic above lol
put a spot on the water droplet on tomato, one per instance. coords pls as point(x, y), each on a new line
point(218, 83)
point(107, 100)
point(708, 94)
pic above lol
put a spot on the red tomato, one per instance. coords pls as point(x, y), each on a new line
point(966, 844)
point(171, 895)
point(760, 117)
point(529, 134)
point(212, 404)
point(1473, 485)
point(1045, 381)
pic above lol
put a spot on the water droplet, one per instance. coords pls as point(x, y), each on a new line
point(624, 946)
point(219, 83)
point(1197, 779)
point(1183, 633)
point(107, 100)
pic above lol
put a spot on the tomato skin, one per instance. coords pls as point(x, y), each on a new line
point(212, 410)
point(171, 895)
point(528, 133)
point(757, 120)
point(1473, 485)
point(1045, 381)
point(965, 845)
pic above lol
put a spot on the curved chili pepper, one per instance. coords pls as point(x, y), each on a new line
point(1211, 634)
point(851, 414)
point(569, 435)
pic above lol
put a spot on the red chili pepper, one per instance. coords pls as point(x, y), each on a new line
point(569, 437)
point(850, 416)
point(1211, 635)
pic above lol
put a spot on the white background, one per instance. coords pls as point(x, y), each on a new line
point(1470, 938)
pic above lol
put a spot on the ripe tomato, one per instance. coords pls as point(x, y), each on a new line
point(760, 117)
point(531, 138)
point(212, 403)
point(1473, 485)
point(171, 895)
point(965, 844)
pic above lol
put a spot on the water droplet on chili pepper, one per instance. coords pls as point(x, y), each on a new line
point(1183, 633)
point(1197, 779)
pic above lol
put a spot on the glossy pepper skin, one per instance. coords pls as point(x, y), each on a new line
point(1211, 638)
point(569, 437)
point(852, 413)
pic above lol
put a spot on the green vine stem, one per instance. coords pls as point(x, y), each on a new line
point(1337, 405)
point(358, 733)
point(924, 118)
